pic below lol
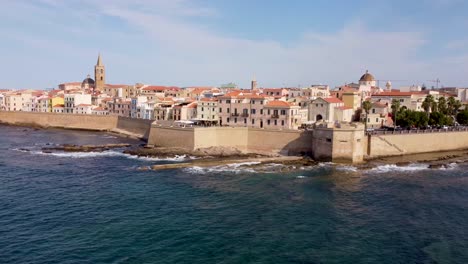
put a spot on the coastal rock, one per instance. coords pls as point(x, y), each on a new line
point(437, 166)
point(84, 148)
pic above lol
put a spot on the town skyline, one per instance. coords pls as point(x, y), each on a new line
point(189, 43)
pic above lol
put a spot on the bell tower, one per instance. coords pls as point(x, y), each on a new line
point(99, 75)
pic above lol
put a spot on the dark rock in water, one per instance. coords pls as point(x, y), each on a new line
point(437, 166)
point(23, 149)
point(46, 151)
point(402, 164)
point(85, 148)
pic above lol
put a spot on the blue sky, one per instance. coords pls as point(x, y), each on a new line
point(211, 42)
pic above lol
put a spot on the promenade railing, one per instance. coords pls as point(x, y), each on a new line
point(417, 131)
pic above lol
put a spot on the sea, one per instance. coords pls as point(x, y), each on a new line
point(102, 208)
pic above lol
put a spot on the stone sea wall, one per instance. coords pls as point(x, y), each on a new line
point(401, 144)
point(134, 127)
point(88, 122)
point(241, 138)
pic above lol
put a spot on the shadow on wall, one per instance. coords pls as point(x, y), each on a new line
point(140, 127)
point(302, 145)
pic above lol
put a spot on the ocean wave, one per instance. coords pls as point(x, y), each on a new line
point(241, 167)
point(346, 168)
point(110, 153)
point(394, 167)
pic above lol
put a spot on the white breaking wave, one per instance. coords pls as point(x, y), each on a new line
point(81, 155)
point(347, 168)
point(233, 167)
point(393, 167)
point(450, 166)
point(110, 153)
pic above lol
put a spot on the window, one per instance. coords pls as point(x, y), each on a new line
point(276, 122)
point(202, 109)
point(283, 112)
point(253, 121)
point(368, 119)
point(261, 111)
point(377, 119)
point(227, 120)
point(321, 105)
point(373, 110)
point(228, 101)
point(228, 110)
point(201, 116)
point(235, 120)
point(261, 102)
point(212, 117)
point(268, 121)
point(282, 122)
point(316, 105)
point(220, 110)
point(268, 111)
point(402, 100)
point(252, 111)
point(245, 120)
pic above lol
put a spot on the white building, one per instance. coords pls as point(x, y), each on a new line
point(75, 99)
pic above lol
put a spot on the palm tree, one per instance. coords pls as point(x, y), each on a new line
point(366, 105)
point(395, 108)
point(442, 105)
point(453, 105)
point(450, 103)
point(427, 104)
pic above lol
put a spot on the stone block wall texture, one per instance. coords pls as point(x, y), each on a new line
point(140, 127)
point(396, 144)
point(172, 137)
point(88, 122)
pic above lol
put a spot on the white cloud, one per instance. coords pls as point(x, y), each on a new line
point(163, 42)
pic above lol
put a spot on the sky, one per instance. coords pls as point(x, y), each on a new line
point(281, 43)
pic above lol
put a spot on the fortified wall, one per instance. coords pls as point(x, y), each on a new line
point(401, 144)
point(343, 144)
point(134, 127)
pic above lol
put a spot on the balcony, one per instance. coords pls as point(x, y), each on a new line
point(274, 116)
point(234, 114)
point(244, 115)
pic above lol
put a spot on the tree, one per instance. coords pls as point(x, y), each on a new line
point(453, 106)
point(366, 105)
point(450, 105)
point(462, 117)
point(395, 108)
point(427, 104)
point(442, 105)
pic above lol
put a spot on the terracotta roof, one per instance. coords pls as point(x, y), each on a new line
point(278, 104)
point(332, 100)
point(84, 105)
point(208, 100)
point(192, 105)
point(395, 94)
point(99, 109)
point(160, 88)
point(379, 105)
point(59, 105)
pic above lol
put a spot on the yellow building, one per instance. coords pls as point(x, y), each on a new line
point(352, 100)
point(55, 100)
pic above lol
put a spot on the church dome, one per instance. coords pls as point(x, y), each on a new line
point(88, 81)
point(367, 77)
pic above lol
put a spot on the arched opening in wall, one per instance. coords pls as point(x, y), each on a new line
point(318, 118)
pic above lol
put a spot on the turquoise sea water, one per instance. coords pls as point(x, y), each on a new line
point(98, 208)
